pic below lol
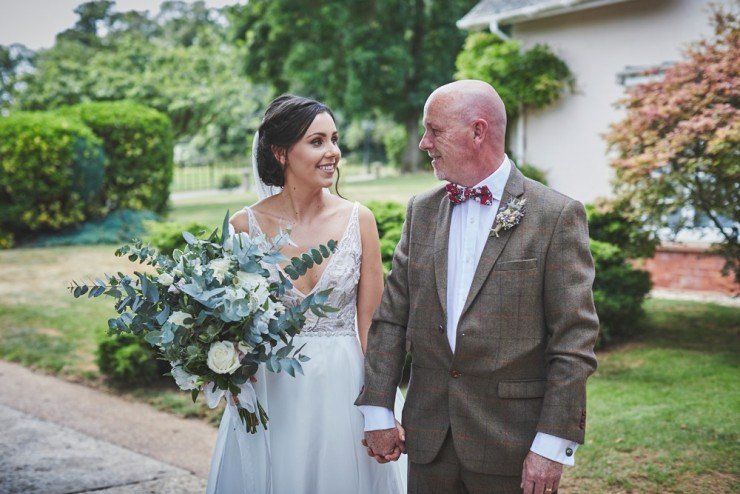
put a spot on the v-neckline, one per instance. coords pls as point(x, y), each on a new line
point(331, 258)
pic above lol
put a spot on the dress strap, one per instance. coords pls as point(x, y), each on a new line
point(254, 227)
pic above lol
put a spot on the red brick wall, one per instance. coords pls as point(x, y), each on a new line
point(690, 268)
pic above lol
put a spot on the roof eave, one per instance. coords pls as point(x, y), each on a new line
point(556, 7)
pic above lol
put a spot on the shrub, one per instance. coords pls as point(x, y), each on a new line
point(138, 143)
point(50, 173)
point(118, 227)
point(230, 181)
point(619, 290)
point(394, 142)
point(607, 223)
point(128, 360)
point(389, 217)
point(531, 171)
point(167, 236)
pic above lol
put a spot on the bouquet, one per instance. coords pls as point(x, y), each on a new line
point(212, 311)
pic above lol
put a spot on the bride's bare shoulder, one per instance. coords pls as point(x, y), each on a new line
point(240, 221)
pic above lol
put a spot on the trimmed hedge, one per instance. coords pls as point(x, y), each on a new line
point(138, 143)
point(167, 236)
point(127, 360)
point(51, 173)
point(619, 290)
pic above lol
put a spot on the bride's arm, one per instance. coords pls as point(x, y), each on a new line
point(370, 288)
point(240, 221)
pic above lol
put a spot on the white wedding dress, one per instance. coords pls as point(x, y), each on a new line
point(312, 445)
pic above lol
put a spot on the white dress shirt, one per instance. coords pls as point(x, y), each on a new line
point(469, 228)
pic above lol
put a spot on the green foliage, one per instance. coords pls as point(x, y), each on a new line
point(128, 360)
point(117, 227)
point(167, 236)
point(607, 222)
point(619, 292)
point(389, 217)
point(50, 173)
point(394, 142)
point(363, 57)
point(230, 181)
point(177, 62)
point(524, 79)
point(138, 143)
point(531, 171)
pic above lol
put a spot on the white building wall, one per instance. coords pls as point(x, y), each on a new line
point(565, 139)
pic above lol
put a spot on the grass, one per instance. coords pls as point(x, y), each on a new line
point(664, 410)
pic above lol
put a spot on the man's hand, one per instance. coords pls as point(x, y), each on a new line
point(540, 475)
point(386, 444)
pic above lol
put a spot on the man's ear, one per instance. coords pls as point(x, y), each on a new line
point(480, 130)
point(280, 154)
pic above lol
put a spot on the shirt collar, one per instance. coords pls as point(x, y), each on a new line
point(496, 181)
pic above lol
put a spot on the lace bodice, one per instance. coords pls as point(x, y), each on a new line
point(342, 274)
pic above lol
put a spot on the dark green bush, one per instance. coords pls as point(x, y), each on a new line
point(167, 236)
point(389, 216)
point(606, 223)
point(230, 181)
point(531, 171)
point(619, 291)
point(128, 360)
point(138, 143)
point(50, 173)
point(118, 227)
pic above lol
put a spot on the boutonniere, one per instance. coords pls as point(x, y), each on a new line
point(510, 216)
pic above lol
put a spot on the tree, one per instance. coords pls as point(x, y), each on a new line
point(364, 58)
point(677, 157)
point(178, 62)
point(13, 60)
point(525, 80)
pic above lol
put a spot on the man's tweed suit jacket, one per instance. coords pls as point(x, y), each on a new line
point(525, 339)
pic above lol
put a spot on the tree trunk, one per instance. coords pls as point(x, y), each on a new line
point(411, 155)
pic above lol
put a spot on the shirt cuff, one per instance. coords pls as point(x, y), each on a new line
point(377, 418)
point(554, 448)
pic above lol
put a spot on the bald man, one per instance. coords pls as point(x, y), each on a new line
point(491, 292)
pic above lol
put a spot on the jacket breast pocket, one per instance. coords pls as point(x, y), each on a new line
point(522, 389)
point(516, 265)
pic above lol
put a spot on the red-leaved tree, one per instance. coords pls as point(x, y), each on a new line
point(677, 156)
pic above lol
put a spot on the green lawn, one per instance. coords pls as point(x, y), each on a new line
point(664, 411)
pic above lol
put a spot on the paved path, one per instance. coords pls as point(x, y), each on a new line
point(61, 437)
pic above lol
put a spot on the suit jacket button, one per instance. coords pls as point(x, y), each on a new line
point(455, 374)
point(569, 452)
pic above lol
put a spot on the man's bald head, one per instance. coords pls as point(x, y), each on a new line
point(471, 99)
point(464, 131)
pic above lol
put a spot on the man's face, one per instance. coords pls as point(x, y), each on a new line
point(447, 140)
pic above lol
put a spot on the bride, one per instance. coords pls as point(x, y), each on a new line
point(313, 442)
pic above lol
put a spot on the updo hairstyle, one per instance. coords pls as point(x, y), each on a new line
point(286, 120)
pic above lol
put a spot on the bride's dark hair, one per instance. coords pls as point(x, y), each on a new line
point(286, 120)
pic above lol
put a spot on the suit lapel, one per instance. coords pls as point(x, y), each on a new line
point(494, 245)
point(441, 238)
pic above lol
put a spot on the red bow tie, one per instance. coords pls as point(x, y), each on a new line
point(459, 194)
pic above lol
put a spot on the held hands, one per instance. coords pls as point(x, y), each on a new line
point(540, 475)
point(386, 444)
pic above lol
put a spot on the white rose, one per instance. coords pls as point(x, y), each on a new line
point(248, 281)
point(178, 318)
point(223, 358)
point(165, 279)
point(220, 267)
point(185, 380)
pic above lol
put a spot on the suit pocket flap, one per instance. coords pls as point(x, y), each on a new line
point(522, 389)
point(518, 265)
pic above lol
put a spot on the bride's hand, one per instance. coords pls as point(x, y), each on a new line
point(402, 435)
